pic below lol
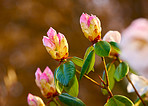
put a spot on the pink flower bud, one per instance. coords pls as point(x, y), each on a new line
point(56, 44)
point(45, 81)
point(113, 36)
point(34, 100)
point(134, 46)
point(91, 27)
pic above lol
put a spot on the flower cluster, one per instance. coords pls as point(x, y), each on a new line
point(45, 81)
point(57, 47)
point(134, 50)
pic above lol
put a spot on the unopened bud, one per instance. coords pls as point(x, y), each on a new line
point(91, 27)
point(56, 44)
point(34, 100)
point(45, 81)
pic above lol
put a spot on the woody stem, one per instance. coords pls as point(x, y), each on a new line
point(135, 90)
point(107, 80)
point(91, 80)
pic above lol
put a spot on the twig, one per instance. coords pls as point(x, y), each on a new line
point(135, 90)
point(106, 72)
point(51, 99)
point(106, 85)
point(54, 99)
point(120, 61)
point(91, 80)
point(101, 80)
point(107, 80)
point(109, 91)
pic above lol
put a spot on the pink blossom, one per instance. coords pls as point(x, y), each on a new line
point(45, 81)
point(91, 27)
point(38, 74)
point(84, 18)
point(56, 44)
point(34, 100)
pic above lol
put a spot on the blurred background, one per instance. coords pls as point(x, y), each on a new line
point(22, 26)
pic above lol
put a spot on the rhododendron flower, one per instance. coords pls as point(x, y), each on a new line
point(56, 44)
point(91, 27)
point(134, 46)
point(112, 36)
point(140, 83)
point(34, 100)
point(45, 81)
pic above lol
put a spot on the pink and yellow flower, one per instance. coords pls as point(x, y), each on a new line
point(91, 27)
point(45, 81)
point(34, 100)
point(56, 44)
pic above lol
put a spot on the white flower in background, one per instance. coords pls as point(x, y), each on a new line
point(112, 36)
point(140, 83)
point(134, 46)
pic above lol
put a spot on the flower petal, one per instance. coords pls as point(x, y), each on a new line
point(51, 32)
point(84, 18)
point(47, 42)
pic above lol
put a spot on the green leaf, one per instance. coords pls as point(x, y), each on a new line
point(65, 72)
point(121, 71)
point(102, 48)
point(73, 87)
point(88, 64)
point(59, 87)
point(119, 100)
point(111, 71)
point(89, 49)
point(78, 61)
point(115, 46)
point(92, 63)
point(70, 101)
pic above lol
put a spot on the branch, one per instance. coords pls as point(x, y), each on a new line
point(106, 72)
point(107, 80)
point(91, 80)
point(135, 90)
